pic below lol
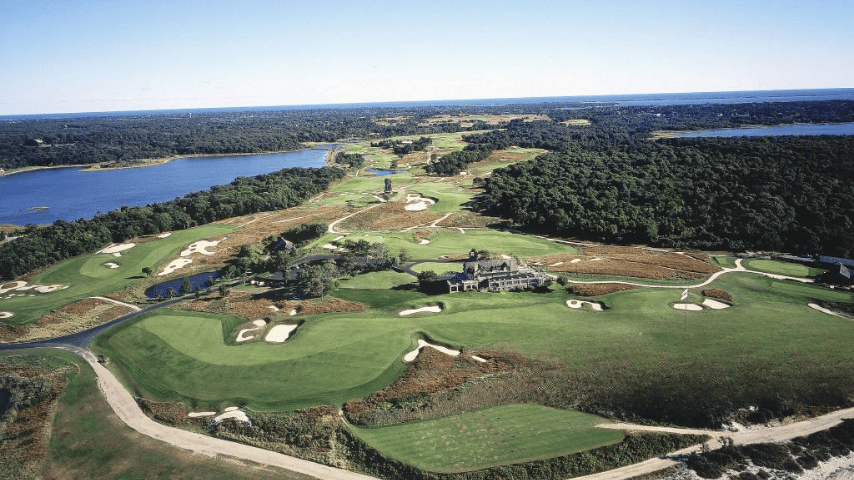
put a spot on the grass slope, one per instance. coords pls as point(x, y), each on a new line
point(88, 276)
point(494, 436)
point(781, 268)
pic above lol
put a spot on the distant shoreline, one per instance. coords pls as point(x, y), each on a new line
point(153, 162)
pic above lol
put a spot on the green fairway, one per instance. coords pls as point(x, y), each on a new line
point(780, 268)
point(493, 436)
point(377, 280)
point(439, 268)
point(88, 275)
point(337, 357)
point(450, 198)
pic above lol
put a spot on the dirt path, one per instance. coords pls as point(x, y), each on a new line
point(132, 307)
point(128, 411)
point(738, 268)
point(755, 435)
point(336, 222)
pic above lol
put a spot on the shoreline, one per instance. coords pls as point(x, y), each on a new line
point(153, 162)
point(658, 134)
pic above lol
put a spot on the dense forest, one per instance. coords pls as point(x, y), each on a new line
point(607, 180)
point(44, 246)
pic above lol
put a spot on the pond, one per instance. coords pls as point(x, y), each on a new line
point(382, 172)
point(201, 280)
point(799, 129)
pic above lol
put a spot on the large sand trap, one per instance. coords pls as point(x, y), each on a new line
point(580, 303)
point(434, 309)
point(15, 286)
point(50, 288)
point(175, 265)
point(279, 333)
point(415, 202)
point(6, 314)
point(200, 247)
point(201, 414)
point(693, 307)
point(329, 246)
point(111, 265)
point(714, 304)
point(117, 250)
point(421, 344)
point(232, 412)
point(21, 286)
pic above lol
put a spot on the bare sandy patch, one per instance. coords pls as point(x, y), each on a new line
point(117, 250)
point(580, 303)
point(714, 304)
point(232, 412)
point(478, 359)
point(111, 265)
point(164, 235)
point(6, 314)
point(49, 288)
point(433, 309)
point(421, 344)
point(11, 286)
point(821, 309)
point(424, 241)
point(273, 308)
point(176, 264)
point(691, 307)
point(201, 414)
point(279, 333)
point(415, 202)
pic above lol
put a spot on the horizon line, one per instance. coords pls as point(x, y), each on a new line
point(438, 102)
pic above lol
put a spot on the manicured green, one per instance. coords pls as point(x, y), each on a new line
point(88, 276)
point(726, 262)
point(777, 267)
point(493, 436)
point(438, 268)
point(377, 280)
point(450, 198)
point(337, 357)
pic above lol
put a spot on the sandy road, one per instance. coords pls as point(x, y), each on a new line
point(757, 435)
point(129, 412)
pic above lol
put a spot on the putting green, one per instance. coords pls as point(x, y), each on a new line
point(492, 436)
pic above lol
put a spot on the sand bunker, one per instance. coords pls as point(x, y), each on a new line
point(273, 308)
point(111, 265)
point(481, 360)
point(434, 309)
point(415, 202)
point(424, 241)
point(814, 306)
point(279, 333)
point(329, 246)
point(164, 235)
point(117, 250)
point(575, 260)
point(22, 286)
point(714, 304)
point(200, 247)
point(421, 344)
point(241, 334)
point(232, 412)
point(50, 288)
point(293, 312)
point(556, 264)
point(693, 307)
point(580, 303)
point(201, 414)
point(6, 314)
point(14, 286)
point(175, 265)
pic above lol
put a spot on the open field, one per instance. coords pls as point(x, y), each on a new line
point(493, 436)
point(781, 268)
point(88, 275)
point(89, 441)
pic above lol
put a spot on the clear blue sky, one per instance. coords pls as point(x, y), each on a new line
point(76, 56)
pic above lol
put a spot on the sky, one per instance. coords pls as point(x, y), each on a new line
point(90, 56)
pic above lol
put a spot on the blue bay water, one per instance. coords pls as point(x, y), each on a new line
point(71, 194)
point(776, 131)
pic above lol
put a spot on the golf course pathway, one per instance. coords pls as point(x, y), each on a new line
point(755, 435)
point(129, 412)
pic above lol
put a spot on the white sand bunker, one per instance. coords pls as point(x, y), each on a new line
point(693, 307)
point(241, 335)
point(111, 265)
point(575, 260)
point(421, 344)
point(164, 235)
point(814, 306)
point(201, 414)
point(279, 333)
point(424, 241)
point(556, 264)
point(259, 323)
point(580, 303)
point(117, 250)
point(329, 246)
point(714, 304)
point(6, 314)
point(434, 309)
point(232, 412)
point(415, 202)
point(175, 265)
point(200, 247)
point(11, 286)
point(479, 359)
point(22, 286)
point(273, 308)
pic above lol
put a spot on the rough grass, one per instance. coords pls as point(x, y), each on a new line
point(87, 276)
point(493, 436)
